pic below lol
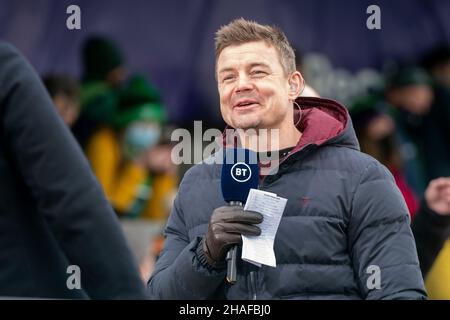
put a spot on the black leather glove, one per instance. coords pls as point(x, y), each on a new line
point(225, 228)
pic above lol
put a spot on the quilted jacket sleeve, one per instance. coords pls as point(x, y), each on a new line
point(181, 271)
point(381, 243)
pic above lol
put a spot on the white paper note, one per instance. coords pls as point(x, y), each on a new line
point(259, 250)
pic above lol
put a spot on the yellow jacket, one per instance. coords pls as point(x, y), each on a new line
point(437, 281)
point(121, 181)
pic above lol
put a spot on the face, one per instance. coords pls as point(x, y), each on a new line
point(416, 99)
point(253, 88)
point(380, 127)
point(116, 76)
point(67, 108)
point(442, 74)
point(140, 136)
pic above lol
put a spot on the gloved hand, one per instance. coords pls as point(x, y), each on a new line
point(225, 228)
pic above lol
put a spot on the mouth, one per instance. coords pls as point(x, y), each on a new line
point(245, 104)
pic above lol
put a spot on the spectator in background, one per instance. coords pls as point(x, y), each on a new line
point(431, 217)
point(377, 137)
point(65, 93)
point(431, 228)
point(422, 126)
point(133, 163)
point(103, 75)
point(437, 63)
point(135, 170)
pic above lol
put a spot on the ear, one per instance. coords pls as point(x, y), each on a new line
point(296, 84)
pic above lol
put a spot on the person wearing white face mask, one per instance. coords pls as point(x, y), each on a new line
point(133, 167)
point(139, 136)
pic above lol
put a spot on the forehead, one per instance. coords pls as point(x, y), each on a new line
point(248, 53)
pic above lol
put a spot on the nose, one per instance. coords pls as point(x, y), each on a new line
point(243, 84)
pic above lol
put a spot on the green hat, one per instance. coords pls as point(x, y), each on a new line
point(139, 101)
point(100, 56)
point(363, 110)
point(409, 76)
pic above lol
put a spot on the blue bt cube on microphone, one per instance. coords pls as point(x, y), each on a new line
point(240, 173)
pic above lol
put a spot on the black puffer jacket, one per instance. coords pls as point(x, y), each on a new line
point(53, 213)
point(344, 214)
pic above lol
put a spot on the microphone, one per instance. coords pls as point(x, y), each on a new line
point(240, 173)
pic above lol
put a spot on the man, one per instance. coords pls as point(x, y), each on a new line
point(408, 98)
point(437, 62)
point(64, 92)
point(104, 73)
point(59, 236)
point(344, 216)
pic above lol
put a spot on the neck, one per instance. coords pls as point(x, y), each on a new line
point(262, 140)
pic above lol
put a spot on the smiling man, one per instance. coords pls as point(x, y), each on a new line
point(345, 230)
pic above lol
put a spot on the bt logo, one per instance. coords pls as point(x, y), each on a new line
point(241, 172)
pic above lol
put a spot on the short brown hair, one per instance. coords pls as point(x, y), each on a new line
point(241, 31)
point(62, 84)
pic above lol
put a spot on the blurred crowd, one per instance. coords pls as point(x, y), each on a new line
point(405, 124)
point(120, 122)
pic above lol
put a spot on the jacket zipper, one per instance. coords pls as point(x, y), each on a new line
point(253, 287)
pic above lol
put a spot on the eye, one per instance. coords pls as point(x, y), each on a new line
point(227, 78)
point(258, 73)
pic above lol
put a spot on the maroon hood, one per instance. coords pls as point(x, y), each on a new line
point(322, 120)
